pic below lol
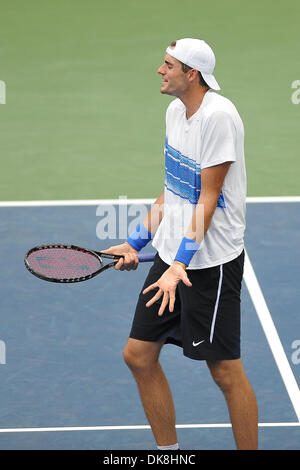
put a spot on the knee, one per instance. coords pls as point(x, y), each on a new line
point(137, 359)
point(130, 357)
point(222, 375)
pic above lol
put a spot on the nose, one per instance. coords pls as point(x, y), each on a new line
point(160, 70)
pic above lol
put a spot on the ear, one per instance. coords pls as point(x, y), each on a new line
point(193, 75)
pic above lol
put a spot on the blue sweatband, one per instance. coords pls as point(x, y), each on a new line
point(140, 237)
point(186, 250)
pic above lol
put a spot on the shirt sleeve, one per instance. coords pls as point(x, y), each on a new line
point(218, 140)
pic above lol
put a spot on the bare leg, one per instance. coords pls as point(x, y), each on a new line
point(142, 359)
point(241, 401)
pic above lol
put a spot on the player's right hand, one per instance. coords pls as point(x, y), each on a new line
point(129, 262)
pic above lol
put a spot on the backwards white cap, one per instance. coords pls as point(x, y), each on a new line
point(197, 54)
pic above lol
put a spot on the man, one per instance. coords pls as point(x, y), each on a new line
point(191, 296)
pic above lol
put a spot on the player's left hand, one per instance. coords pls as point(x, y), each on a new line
point(166, 285)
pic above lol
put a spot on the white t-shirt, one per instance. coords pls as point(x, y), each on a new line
point(213, 135)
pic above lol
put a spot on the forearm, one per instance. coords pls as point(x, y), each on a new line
point(211, 185)
point(197, 229)
point(146, 230)
point(212, 180)
point(201, 217)
point(155, 215)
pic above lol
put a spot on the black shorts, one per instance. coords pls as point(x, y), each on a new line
point(206, 317)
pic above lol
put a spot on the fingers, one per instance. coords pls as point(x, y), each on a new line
point(129, 262)
point(164, 303)
point(167, 285)
point(119, 264)
point(151, 287)
point(186, 281)
point(171, 301)
point(155, 298)
point(168, 298)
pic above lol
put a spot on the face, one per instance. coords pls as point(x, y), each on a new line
point(174, 81)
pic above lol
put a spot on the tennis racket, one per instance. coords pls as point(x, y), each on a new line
point(70, 263)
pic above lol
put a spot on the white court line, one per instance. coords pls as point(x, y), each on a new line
point(124, 201)
point(272, 335)
point(84, 202)
point(135, 427)
point(274, 199)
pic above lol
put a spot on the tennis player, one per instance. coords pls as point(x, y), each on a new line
point(191, 296)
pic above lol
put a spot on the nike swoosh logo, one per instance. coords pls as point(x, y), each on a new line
point(197, 344)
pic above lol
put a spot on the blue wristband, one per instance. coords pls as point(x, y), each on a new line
point(140, 237)
point(186, 250)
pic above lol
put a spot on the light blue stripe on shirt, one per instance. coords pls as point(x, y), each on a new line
point(183, 176)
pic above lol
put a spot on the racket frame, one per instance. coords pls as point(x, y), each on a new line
point(97, 254)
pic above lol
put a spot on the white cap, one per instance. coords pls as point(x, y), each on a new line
point(196, 54)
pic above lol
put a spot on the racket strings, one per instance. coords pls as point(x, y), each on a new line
point(64, 263)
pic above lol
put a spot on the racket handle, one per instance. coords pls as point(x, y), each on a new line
point(143, 257)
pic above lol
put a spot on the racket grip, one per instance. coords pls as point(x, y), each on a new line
point(143, 257)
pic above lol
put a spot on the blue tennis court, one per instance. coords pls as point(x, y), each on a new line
point(63, 381)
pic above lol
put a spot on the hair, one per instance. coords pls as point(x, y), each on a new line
point(186, 68)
